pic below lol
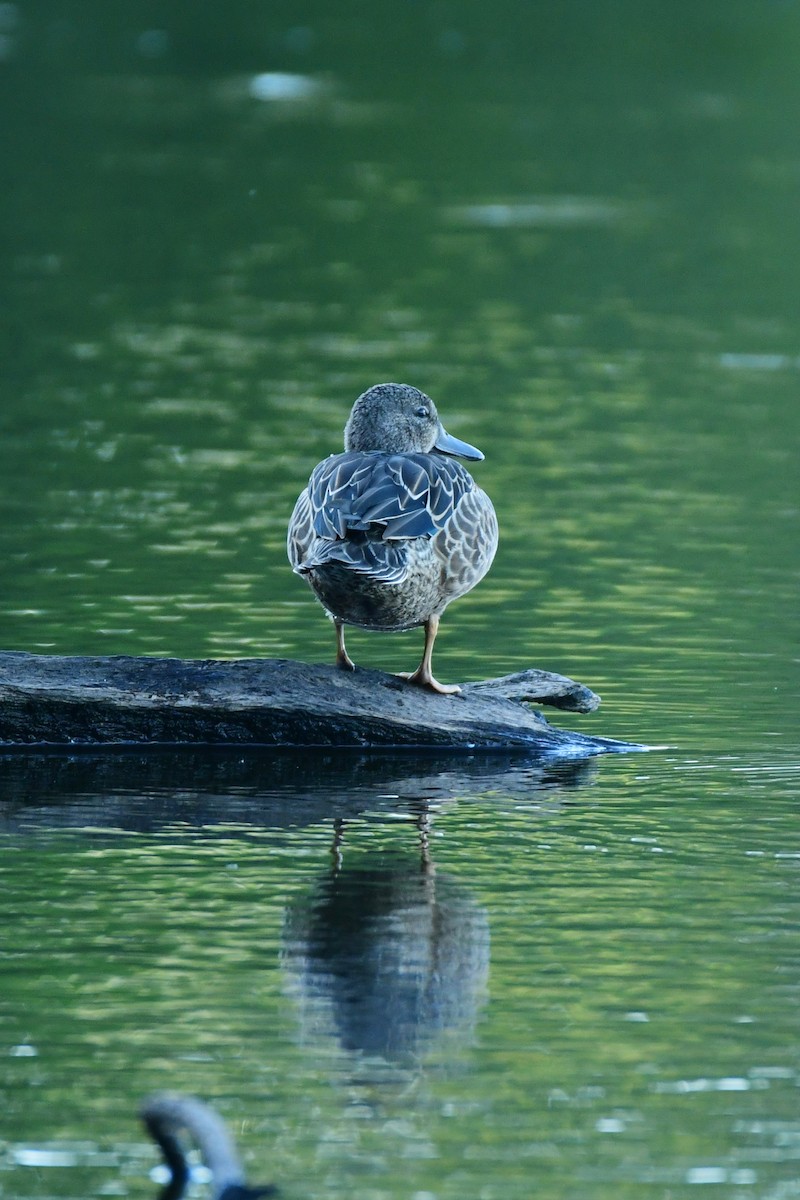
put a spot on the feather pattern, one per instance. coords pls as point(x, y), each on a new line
point(390, 519)
point(388, 533)
point(407, 495)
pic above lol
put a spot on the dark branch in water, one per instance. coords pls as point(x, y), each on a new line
point(101, 701)
point(167, 1116)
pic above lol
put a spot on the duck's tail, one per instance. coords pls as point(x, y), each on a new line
point(385, 562)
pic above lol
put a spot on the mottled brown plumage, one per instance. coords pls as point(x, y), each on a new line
point(391, 531)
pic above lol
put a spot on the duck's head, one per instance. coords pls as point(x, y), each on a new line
point(399, 419)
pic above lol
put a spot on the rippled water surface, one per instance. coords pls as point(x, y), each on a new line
point(401, 976)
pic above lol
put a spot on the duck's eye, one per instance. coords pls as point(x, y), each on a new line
point(422, 411)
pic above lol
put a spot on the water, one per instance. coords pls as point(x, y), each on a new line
point(579, 985)
point(400, 976)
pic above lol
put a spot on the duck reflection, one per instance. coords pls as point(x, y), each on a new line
point(387, 955)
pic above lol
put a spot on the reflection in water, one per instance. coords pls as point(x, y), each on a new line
point(283, 87)
point(144, 791)
point(544, 211)
point(388, 956)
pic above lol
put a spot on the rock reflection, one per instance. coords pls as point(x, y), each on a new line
point(147, 790)
point(388, 956)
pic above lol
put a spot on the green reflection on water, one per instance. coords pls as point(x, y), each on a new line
point(639, 1021)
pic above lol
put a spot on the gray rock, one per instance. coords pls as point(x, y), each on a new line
point(102, 701)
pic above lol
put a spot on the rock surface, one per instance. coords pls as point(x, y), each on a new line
point(46, 700)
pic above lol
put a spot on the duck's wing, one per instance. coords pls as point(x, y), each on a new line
point(383, 561)
point(390, 496)
point(361, 510)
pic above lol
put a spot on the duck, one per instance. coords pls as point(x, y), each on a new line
point(166, 1116)
point(391, 531)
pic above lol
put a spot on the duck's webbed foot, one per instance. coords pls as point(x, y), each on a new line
point(423, 676)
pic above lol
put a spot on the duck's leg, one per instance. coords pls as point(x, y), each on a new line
point(343, 659)
point(423, 676)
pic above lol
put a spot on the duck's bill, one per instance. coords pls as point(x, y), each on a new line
point(447, 444)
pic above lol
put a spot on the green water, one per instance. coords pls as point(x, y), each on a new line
point(576, 227)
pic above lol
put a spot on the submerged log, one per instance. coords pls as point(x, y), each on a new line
point(46, 700)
